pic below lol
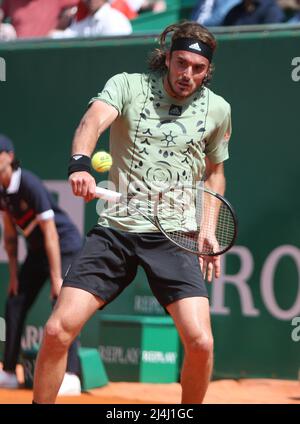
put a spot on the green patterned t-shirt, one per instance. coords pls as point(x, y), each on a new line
point(158, 140)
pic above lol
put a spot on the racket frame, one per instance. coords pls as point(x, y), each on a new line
point(218, 196)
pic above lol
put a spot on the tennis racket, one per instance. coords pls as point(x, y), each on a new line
point(197, 220)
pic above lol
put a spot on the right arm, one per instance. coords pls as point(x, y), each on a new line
point(11, 247)
point(96, 120)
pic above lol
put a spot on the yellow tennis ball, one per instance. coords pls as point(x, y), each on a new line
point(101, 161)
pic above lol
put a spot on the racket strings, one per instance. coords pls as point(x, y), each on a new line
point(201, 223)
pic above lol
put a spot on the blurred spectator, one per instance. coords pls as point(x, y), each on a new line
point(291, 9)
point(135, 4)
point(289, 4)
point(129, 8)
point(66, 17)
point(34, 18)
point(295, 19)
point(237, 12)
point(255, 12)
point(101, 20)
point(124, 7)
point(212, 12)
point(7, 31)
point(82, 11)
point(155, 6)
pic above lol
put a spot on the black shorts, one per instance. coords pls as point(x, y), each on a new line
point(109, 259)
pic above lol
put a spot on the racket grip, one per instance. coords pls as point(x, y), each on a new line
point(111, 196)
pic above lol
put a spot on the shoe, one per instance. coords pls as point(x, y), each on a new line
point(70, 385)
point(8, 380)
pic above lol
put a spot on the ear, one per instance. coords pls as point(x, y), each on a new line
point(11, 156)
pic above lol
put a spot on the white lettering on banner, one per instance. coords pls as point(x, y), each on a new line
point(296, 71)
point(74, 207)
point(119, 355)
point(157, 357)
point(296, 332)
point(239, 280)
point(32, 337)
point(132, 355)
point(147, 304)
point(267, 282)
point(2, 330)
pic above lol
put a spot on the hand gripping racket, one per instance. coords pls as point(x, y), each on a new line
point(197, 220)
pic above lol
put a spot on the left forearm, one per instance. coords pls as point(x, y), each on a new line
point(51, 243)
point(216, 183)
point(53, 254)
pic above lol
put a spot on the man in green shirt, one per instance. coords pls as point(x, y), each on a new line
point(166, 127)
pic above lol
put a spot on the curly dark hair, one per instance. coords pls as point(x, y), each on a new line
point(187, 29)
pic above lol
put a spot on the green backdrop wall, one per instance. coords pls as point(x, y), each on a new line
point(47, 87)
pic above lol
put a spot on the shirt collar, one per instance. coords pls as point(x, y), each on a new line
point(14, 182)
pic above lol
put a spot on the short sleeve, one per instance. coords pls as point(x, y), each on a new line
point(115, 92)
point(38, 197)
point(216, 148)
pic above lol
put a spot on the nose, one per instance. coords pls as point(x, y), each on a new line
point(188, 72)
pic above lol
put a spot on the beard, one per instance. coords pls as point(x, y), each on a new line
point(177, 92)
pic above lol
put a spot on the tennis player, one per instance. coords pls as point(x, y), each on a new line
point(166, 126)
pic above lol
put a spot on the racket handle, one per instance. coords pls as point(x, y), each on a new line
point(111, 196)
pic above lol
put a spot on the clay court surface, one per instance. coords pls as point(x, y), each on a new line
point(248, 391)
